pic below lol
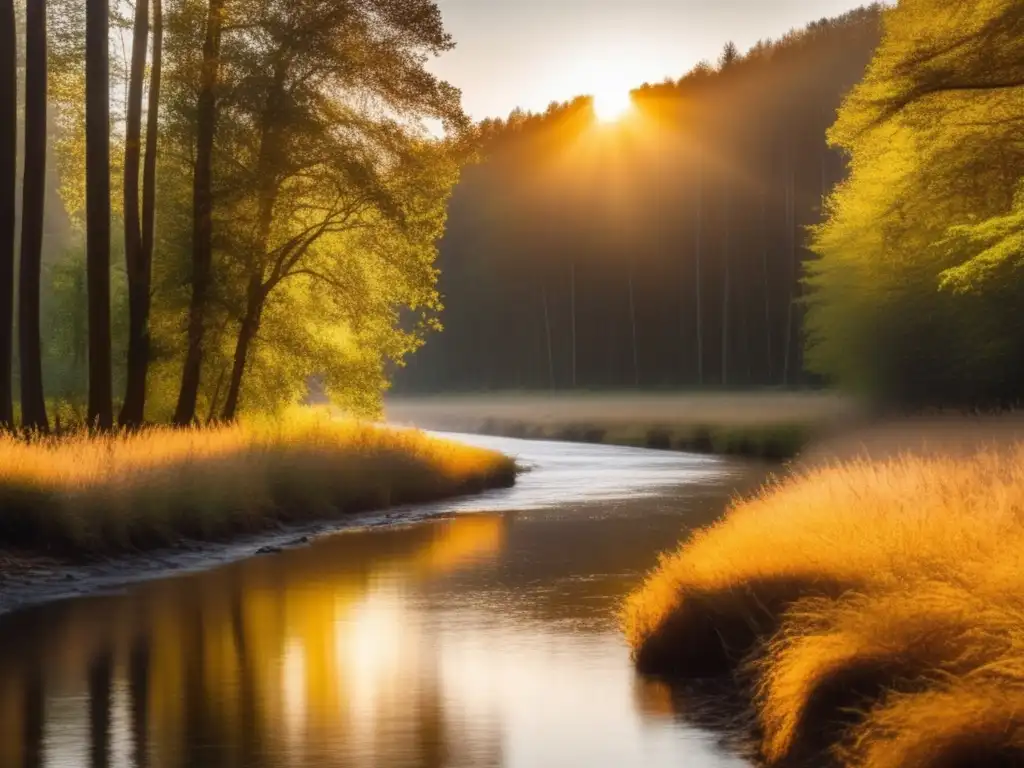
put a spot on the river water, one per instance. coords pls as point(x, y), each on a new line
point(484, 637)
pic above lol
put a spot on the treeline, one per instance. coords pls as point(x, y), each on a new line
point(667, 251)
point(254, 198)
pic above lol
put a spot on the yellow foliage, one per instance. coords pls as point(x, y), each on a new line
point(86, 493)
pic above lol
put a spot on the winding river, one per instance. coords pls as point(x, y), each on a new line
point(483, 633)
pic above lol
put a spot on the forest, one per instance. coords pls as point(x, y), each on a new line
point(663, 252)
point(749, 227)
point(214, 207)
point(209, 203)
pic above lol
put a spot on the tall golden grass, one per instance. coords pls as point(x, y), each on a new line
point(82, 495)
point(859, 602)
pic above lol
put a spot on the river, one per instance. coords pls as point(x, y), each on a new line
point(482, 636)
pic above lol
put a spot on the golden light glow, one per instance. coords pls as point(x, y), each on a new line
point(612, 104)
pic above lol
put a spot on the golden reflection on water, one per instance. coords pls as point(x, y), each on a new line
point(311, 647)
point(396, 647)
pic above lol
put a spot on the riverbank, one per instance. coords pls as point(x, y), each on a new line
point(769, 425)
point(868, 605)
point(83, 497)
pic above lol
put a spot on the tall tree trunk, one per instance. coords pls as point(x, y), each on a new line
point(547, 335)
point(8, 184)
point(726, 259)
point(133, 408)
point(791, 248)
point(767, 294)
point(246, 333)
point(572, 307)
point(697, 248)
point(632, 323)
point(267, 169)
point(97, 210)
point(33, 405)
point(202, 215)
point(211, 414)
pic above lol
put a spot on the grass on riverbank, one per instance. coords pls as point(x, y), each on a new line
point(858, 602)
point(767, 425)
point(82, 495)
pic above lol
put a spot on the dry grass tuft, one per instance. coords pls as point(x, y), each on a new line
point(969, 722)
point(84, 495)
point(854, 598)
point(835, 660)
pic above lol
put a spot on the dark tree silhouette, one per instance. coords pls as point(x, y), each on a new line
point(97, 202)
point(8, 183)
point(33, 404)
point(202, 215)
point(138, 225)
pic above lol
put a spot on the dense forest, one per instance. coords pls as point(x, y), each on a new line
point(665, 251)
point(206, 203)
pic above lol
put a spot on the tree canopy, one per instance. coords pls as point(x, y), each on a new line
point(916, 293)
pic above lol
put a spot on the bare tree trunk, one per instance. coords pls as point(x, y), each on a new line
point(246, 334)
point(202, 215)
point(97, 204)
point(726, 259)
point(8, 185)
point(133, 408)
point(632, 322)
point(547, 333)
point(791, 247)
point(33, 404)
point(152, 133)
point(572, 303)
point(256, 293)
point(767, 292)
point(211, 414)
point(698, 246)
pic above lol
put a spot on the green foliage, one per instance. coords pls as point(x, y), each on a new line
point(329, 195)
point(916, 296)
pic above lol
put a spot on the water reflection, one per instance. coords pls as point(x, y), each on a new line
point(482, 640)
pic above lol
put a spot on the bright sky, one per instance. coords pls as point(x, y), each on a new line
point(528, 53)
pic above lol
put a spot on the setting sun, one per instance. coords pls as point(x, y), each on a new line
point(612, 104)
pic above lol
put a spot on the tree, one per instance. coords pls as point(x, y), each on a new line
point(8, 183)
point(33, 404)
point(202, 214)
point(138, 224)
point(933, 133)
point(97, 192)
point(321, 161)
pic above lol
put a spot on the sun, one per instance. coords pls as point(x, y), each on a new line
point(612, 104)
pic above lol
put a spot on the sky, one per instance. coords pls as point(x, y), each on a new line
point(528, 53)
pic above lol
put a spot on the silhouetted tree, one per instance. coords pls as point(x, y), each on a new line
point(137, 259)
point(8, 184)
point(33, 404)
point(202, 215)
point(97, 226)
